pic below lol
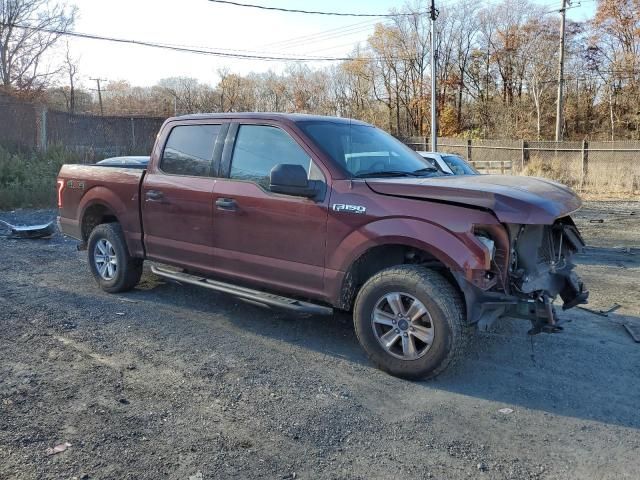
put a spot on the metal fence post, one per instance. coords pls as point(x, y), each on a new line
point(469, 150)
point(425, 144)
point(585, 158)
point(42, 129)
point(525, 154)
point(133, 135)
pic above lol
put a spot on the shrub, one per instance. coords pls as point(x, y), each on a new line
point(28, 179)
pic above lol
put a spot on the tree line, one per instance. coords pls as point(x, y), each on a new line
point(497, 72)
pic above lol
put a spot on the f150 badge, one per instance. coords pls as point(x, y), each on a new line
point(343, 207)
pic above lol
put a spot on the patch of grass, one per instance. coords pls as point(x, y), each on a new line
point(553, 170)
point(603, 179)
point(28, 179)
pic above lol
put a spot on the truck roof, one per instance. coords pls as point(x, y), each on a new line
point(290, 117)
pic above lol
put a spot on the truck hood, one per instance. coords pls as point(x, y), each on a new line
point(512, 199)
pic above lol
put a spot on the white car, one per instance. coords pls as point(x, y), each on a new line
point(449, 163)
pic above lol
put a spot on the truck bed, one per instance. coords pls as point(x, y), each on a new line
point(81, 187)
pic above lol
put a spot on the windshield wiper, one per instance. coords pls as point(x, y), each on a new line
point(386, 173)
point(426, 170)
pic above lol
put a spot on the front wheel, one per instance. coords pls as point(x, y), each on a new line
point(410, 320)
point(109, 260)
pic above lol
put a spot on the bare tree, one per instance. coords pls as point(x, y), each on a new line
point(28, 28)
point(188, 95)
point(540, 70)
point(71, 70)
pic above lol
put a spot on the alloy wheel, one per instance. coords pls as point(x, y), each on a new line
point(105, 259)
point(402, 325)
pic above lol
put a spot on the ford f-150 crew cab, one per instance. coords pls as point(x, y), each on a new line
point(317, 213)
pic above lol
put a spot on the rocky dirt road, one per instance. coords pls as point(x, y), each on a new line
point(175, 382)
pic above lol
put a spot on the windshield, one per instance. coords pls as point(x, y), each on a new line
point(366, 151)
point(458, 166)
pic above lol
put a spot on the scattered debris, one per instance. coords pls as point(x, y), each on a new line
point(124, 299)
point(119, 313)
point(197, 476)
point(58, 448)
point(482, 467)
point(30, 231)
point(506, 411)
point(602, 313)
point(597, 220)
point(633, 330)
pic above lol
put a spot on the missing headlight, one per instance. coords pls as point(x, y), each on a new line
point(490, 244)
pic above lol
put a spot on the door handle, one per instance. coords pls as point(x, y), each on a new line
point(226, 204)
point(154, 195)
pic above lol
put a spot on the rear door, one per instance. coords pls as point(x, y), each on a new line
point(264, 237)
point(177, 203)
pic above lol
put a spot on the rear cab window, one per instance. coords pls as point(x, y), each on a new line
point(189, 150)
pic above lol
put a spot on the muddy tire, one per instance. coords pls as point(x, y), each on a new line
point(109, 260)
point(411, 322)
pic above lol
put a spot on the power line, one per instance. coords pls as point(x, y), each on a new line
point(313, 42)
point(293, 43)
point(311, 12)
point(322, 33)
point(334, 47)
point(203, 51)
point(177, 48)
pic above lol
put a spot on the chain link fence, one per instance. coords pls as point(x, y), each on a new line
point(34, 127)
point(594, 166)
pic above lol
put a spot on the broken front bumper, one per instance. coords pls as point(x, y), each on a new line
point(536, 268)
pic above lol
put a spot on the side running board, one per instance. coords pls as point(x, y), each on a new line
point(256, 296)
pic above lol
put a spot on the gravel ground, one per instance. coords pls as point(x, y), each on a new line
point(176, 382)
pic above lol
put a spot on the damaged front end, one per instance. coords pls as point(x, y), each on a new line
point(541, 269)
point(531, 265)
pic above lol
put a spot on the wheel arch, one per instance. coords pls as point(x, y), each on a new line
point(447, 249)
point(100, 204)
point(384, 255)
point(96, 214)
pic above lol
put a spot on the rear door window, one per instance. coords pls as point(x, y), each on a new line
point(259, 148)
point(189, 150)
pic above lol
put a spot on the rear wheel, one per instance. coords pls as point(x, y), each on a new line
point(109, 260)
point(410, 321)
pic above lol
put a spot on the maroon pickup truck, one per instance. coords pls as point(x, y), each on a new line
point(317, 213)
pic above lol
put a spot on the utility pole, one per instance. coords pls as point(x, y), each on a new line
point(433, 14)
point(98, 80)
point(559, 103)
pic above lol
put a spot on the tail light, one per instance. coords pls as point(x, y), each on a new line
point(60, 188)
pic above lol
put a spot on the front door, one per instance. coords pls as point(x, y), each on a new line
point(263, 237)
point(177, 205)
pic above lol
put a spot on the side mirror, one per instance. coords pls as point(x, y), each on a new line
point(290, 180)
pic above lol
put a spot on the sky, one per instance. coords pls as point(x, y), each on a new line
point(205, 24)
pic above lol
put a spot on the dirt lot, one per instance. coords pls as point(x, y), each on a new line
point(176, 382)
